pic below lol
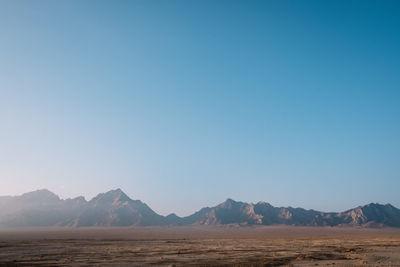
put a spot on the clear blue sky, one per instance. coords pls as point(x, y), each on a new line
point(183, 104)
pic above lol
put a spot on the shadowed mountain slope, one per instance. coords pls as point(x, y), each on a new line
point(115, 208)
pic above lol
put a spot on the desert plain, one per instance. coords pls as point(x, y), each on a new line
point(200, 246)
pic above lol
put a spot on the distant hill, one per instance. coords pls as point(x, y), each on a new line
point(115, 208)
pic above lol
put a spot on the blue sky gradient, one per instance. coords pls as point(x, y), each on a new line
point(184, 103)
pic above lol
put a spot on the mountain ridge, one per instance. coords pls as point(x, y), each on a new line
point(115, 208)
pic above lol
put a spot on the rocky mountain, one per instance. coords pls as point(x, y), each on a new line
point(44, 208)
point(115, 208)
point(38, 208)
point(262, 213)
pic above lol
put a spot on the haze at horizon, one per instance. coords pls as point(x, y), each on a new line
point(183, 104)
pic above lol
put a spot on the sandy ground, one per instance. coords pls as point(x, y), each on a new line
point(200, 246)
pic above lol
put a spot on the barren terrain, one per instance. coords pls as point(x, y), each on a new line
point(201, 246)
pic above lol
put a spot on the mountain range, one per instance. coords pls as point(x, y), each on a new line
point(115, 208)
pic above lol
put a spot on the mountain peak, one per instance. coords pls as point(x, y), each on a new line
point(390, 206)
point(373, 206)
point(172, 216)
point(228, 203)
point(111, 197)
point(40, 195)
point(263, 203)
point(40, 191)
point(117, 191)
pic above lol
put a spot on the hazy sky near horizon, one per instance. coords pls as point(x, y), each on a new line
point(183, 104)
